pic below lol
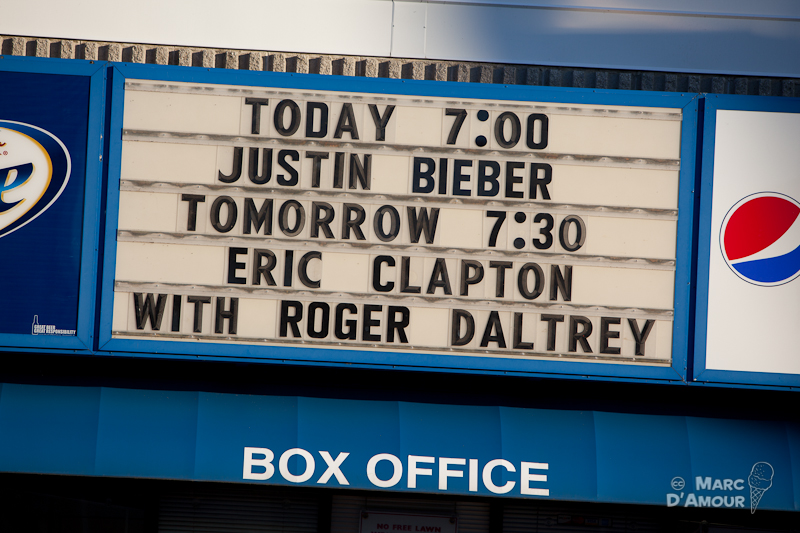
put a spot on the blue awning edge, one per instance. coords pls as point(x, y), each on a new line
point(593, 456)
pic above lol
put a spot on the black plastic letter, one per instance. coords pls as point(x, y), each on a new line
point(522, 281)
point(154, 310)
point(538, 183)
point(531, 139)
point(287, 321)
point(368, 323)
point(193, 199)
point(606, 334)
point(394, 223)
point(459, 178)
point(252, 168)
point(234, 265)
point(376, 273)
point(238, 153)
point(470, 278)
point(231, 315)
point(302, 269)
point(418, 175)
point(232, 214)
point(640, 336)
point(311, 107)
point(316, 166)
point(355, 223)
point(422, 223)
point(552, 321)
point(439, 278)
point(405, 274)
point(347, 123)
point(561, 282)
point(351, 324)
point(294, 123)
point(512, 178)
point(500, 283)
point(580, 233)
point(255, 124)
point(292, 179)
point(257, 218)
point(360, 173)
point(488, 172)
point(381, 121)
point(199, 302)
point(260, 270)
point(456, 338)
point(576, 336)
point(518, 343)
point(493, 325)
point(299, 220)
point(393, 324)
point(312, 319)
point(499, 130)
point(321, 218)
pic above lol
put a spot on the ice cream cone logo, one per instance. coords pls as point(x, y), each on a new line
point(760, 480)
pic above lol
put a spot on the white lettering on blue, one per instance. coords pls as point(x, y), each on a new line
point(258, 465)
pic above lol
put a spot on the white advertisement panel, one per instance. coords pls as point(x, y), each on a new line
point(753, 291)
point(506, 229)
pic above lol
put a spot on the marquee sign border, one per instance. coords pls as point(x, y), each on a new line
point(688, 103)
point(699, 372)
point(83, 341)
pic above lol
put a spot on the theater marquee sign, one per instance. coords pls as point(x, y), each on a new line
point(394, 223)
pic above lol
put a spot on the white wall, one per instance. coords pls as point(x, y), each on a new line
point(705, 36)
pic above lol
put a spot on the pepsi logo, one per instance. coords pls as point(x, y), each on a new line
point(760, 239)
point(34, 170)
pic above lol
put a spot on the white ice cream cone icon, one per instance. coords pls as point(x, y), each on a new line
point(760, 480)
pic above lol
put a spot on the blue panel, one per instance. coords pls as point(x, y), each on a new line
point(684, 253)
point(146, 433)
point(638, 455)
point(753, 442)
point(528, 434)
point(793, 437)
point(590, 456)
point(50, 266)
point(48, 429)
point(359, 428)
point(59, 105)
point(451, 431)
point(226, 423)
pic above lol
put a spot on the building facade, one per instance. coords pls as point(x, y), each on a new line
point(367, 266)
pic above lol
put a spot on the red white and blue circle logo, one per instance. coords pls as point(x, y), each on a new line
point(760, 239)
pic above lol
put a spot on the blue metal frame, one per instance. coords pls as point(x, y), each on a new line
point(592, 456)
point(714, 102)
point(387, 359)
point(83, 341)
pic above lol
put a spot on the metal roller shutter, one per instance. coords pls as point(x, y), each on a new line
point(346, 513)
point(473, 517)
point(569, 519)
point(238, 510)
